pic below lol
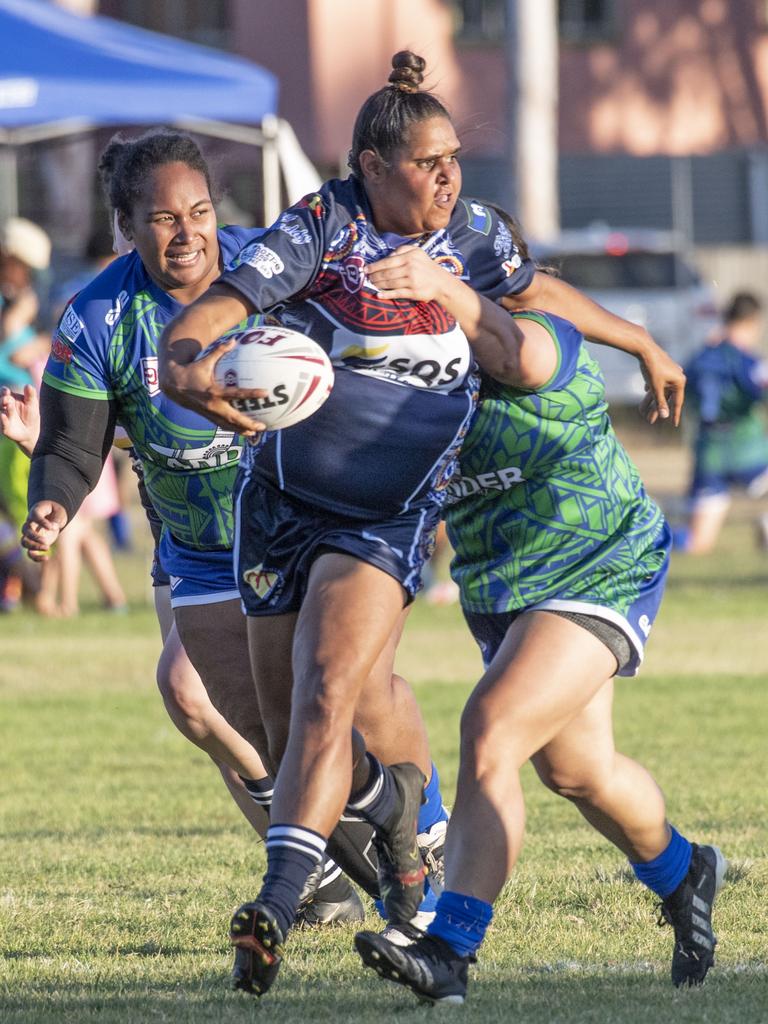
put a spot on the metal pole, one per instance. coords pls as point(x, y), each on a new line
point(271, 170)
point(9, 183)
point(537, 131)
point(511, 48)
point(682, 202)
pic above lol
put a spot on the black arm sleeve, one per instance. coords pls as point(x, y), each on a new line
point(75, 438)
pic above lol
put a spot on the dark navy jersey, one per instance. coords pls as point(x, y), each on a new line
point(387, 438)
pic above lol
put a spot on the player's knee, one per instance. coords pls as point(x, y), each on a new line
point(574, 782)
point(326, 700)
point(185, 700)
point(485, 742)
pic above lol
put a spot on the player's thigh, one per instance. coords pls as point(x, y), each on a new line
point(216, 640)
point(580, 758)
point(347, 619)
point(270, 641)
point(546, 670)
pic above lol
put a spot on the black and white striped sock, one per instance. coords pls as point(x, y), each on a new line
point(293, 852)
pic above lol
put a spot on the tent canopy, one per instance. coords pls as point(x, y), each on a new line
point(61, 74)
point(56, 66)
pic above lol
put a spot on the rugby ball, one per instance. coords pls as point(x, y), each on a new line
point(294, 371)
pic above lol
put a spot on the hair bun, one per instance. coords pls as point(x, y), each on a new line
point(408, 71)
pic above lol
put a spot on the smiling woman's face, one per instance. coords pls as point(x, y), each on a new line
point(173, 226)
point(417, 190)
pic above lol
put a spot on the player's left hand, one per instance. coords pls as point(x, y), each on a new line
point(408, 273)
point(45, 521)
point(20, 417)
point(664, 383)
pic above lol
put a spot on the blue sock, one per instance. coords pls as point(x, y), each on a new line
point(664, 873)
point(461, 921)
point(432, 810)
point(293, 853)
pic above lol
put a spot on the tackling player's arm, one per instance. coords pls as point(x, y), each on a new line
point(520, 353)
point(75, 437)
point(664, 379)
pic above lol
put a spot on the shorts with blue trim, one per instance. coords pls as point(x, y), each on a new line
point(197, 576)
point(277, 539)
point(624, 632)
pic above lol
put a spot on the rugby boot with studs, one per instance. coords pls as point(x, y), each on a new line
point(429, 967)
point(258, 942)
point(400, 868)
point(689, 910)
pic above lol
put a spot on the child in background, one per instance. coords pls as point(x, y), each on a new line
point(726, 389)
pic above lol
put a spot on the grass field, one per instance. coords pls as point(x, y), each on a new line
point(121, 857)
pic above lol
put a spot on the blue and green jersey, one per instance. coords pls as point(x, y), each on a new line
point(105, 348)
point(549, 510)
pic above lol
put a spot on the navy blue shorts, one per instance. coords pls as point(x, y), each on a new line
point(277, 539)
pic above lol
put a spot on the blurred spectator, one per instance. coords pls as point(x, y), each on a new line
point(57, 591)
point(99, 253)
point(727, 382)
point(81, 541)
point(25, 250)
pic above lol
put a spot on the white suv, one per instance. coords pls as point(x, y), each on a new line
point(641, 275)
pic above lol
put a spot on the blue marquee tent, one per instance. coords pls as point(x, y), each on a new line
point(61, 74)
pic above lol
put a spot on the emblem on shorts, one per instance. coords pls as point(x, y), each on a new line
point(644, 624)
point(263, 582)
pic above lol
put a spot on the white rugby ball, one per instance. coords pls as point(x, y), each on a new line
point(294, 371)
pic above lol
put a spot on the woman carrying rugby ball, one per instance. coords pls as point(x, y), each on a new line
point(341, 509)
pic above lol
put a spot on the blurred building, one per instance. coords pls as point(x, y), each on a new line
point(662, 117)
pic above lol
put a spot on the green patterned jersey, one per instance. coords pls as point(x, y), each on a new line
point(105, 348)
point(548, 506)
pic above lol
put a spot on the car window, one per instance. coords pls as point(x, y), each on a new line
point(602, 271)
